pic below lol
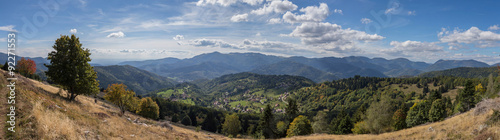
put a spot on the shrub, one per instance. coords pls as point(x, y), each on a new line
point(148, 108)
point(186, 120)
point(360, 128)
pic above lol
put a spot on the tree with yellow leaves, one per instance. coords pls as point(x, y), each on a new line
point(120, 96)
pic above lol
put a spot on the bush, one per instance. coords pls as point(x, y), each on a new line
point(148, 108)
point(299, 126)
point(360, 128)
point(186, 120)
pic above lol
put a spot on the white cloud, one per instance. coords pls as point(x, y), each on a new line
point(8, 28)
point(394, 8)
point(239, 18)
point(178, 37)
point(494, 27)
point(213, 2)
point(119, 34)
point(366, 20)
point(311, 14)
point(253, 2)
point(258, 34)
point(415, 46)
point(227, 2)
point(338, 11)
point(275, 7)
point(274, 21)
point(73, 31)
point(214, 43)
point(411, 12)
point(324, 33)
point(473, 36)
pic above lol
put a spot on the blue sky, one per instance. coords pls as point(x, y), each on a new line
point(119, 30)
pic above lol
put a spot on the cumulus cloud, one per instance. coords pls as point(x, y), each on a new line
point(413, 49)
point(119, 34)
point(214, 43)
point(323, 33)
point(8, 28)
point(213, 2)
point(240, 18)
point(227, 2)
point(73, 31)
point(253, 2)
point(494, 27)
point(275, 7)
point(366, 20)
point(338, 11)
point(178, 37)
point(473, 36)
point(311, 14)
point(274, 21)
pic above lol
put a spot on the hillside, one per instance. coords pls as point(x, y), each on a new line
point(138, 80)
point(43, 114)
point(449, 64)
point(465, 72)
point(236, 92)
point(294, 68)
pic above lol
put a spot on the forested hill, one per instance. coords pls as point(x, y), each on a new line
point(138, 80)
point(466, 72)
point(231, 91)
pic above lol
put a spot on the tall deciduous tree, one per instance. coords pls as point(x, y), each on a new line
point(69, 67)
point(320, 124)
point(438, 111)
point(299, 126)
point(120, 96)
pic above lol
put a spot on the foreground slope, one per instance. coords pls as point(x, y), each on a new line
point(469, 125)
point(43, 114)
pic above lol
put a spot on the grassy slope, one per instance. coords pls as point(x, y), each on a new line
point(43, 114)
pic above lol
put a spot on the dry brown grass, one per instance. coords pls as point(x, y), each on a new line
point(46, 114)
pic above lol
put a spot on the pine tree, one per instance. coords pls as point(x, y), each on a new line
point(437, 111)
point(266, 123)
point(466, 97)
point(292, 110)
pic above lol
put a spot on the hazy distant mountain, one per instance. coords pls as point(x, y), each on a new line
point(211, 65)
point(295, 68)
point(467, 72)
point(168, 60)
point(140, 81)
point(449, 64)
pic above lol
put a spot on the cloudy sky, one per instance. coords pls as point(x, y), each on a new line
point(117, 30)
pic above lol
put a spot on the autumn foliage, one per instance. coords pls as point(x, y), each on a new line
point(26, 66)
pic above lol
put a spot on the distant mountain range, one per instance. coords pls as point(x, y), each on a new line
point(466, 72)
point(212, 65)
